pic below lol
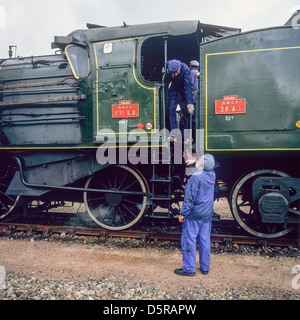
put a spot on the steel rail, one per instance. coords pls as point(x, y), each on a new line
point(145, 236)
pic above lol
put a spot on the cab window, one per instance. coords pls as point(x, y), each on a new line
point(79, 61)
point(183, 47)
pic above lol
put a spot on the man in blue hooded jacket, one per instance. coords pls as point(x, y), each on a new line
point(196, 215)
point(180, 93)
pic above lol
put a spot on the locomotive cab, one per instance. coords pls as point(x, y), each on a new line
point(124, 74)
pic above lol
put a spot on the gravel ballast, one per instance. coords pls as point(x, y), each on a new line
point(120, 269)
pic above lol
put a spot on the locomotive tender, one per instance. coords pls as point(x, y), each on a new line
point(91, 121)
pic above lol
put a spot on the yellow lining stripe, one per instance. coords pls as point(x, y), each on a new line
point(248, 51)
point(206, 97)
point(96, 60)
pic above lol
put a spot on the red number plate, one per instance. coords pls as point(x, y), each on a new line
point(230, 105)
point(125, 109)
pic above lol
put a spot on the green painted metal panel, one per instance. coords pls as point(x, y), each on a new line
point(262, 69)
point(122, 101)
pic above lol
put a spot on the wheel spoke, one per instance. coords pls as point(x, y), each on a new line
point(133, 183)
point(115, 180)
point(114, 215)
point(244, 204)
point(8, 203)
point(8, 197)
point(121, 184)
point(103, 185)
point(96, 199)
point(109, 183)
point(245, 191)
point(129, 201)
point(124, 206)
point(4, 185)
point(121, 215)
point(3, 205)
point(99, 207)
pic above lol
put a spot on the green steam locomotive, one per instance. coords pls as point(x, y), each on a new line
point(90, 123)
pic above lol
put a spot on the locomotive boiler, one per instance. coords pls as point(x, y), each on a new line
point(90, 123)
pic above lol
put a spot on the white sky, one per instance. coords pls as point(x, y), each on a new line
point(32, 24)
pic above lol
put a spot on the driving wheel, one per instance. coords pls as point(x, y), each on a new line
point(8, 203)
point(242, 207)
point(116, 211)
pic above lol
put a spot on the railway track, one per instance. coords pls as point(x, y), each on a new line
point(145, 236)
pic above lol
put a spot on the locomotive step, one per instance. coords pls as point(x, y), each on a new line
point(161, 180)
point(162, 198)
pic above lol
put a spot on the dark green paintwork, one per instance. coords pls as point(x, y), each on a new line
point(113, 77)
point(262, 67)
point(117, 81)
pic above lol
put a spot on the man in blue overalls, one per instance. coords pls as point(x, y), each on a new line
point(180, 93)
point(196, 215)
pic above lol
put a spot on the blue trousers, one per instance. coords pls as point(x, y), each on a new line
point(174, 101)
point(191, 232)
